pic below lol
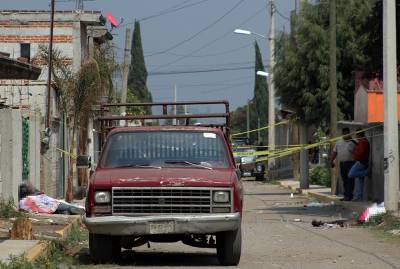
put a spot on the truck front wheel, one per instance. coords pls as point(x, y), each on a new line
point(229, 247)
point(104, 248)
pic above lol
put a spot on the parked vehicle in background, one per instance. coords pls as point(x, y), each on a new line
point(248, 165)
point(165, 184)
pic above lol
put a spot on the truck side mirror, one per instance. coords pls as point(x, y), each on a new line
point(238, 160)
point(83, 161)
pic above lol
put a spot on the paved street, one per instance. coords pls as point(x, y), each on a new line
point(273, 239)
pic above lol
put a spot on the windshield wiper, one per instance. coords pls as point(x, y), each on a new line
point(188, 163)
point(139, 166)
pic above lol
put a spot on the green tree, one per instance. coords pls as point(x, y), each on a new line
point(137, 77)
point(239, 119)
point(373, 48)
point(301, 70)
point(302, 59)
point(258, 105)
point(353, 37)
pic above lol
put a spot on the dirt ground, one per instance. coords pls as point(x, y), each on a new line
point(277, 233)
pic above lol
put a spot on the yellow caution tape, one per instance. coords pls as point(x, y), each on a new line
point(252, 153)
point(65, 152)
point(259, 129)
point(276, 146)
point(288, 152)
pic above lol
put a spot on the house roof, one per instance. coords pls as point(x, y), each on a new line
point(17, 69)
point(23, 16)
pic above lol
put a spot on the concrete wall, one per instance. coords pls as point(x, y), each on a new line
point(34, 148)
point(70, 37)
point(361, 105)
point(12, 34)
point(10, 152)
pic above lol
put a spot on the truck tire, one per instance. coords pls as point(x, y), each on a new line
point(104, 248)
point(229, 247)
point(259, 177)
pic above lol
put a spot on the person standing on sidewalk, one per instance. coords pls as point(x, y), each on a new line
point(360, 168)
point(343, 152)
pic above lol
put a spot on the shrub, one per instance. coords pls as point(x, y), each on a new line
point(8, 209)
point(319, 175)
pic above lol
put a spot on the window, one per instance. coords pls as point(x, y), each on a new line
point(163, 148)
point(26, 51)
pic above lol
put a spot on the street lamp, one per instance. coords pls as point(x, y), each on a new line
point(271, 90)
point(262, 73)
point(247, 32)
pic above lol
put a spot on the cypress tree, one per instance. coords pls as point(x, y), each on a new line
point(259, 106)
point(137, 77)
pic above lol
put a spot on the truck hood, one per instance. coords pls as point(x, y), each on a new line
point(165, 177)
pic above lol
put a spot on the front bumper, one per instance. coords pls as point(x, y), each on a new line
point(181, 224)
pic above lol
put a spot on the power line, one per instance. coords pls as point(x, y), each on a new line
point(199, 32)
point(177, 72)
point(167, 88)
point(242, 78)
point(214, 65)
point(172, 9)
point(225, 88)
point(252, 16)
point(281, 14)
point(206, 45)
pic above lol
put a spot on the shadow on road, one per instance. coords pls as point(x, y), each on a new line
point(264, 193)
point(156, 258)
point(333, 211)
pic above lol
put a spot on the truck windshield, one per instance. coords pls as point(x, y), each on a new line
point(165, 149)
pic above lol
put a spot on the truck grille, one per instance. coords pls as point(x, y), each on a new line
point(134, 201)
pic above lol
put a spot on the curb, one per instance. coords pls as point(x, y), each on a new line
point(42, 247)
point(36, 251)
point(357, 207)
point(66, 230)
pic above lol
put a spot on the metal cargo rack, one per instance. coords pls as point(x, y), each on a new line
point(109, 121)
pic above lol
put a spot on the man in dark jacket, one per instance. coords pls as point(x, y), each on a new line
point(360, 168)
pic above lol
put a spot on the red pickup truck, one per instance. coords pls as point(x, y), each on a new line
point(165, 183)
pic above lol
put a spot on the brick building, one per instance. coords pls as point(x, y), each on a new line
point(21, 34)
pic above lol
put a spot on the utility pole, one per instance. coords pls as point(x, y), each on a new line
point(50, 66)
point(303, 133)
point(271, 92)
point(304, 182)
point(79, 4)
point(248, 119)
point(175, 109)
point(125, 69)
point(332, 82)
point(391, 147)
point(258, 131)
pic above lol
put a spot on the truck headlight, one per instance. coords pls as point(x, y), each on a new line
point(102, 197)
point(259, 168)
point(221, 196)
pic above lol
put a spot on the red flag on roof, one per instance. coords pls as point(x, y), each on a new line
point(111, 19)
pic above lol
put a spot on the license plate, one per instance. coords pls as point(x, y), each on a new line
point(247, 174)
point(162, 227)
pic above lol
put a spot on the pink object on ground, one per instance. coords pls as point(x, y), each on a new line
point(39, 204)
point(374, 210)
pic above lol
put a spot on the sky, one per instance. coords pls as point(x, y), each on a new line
point(197, 37)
